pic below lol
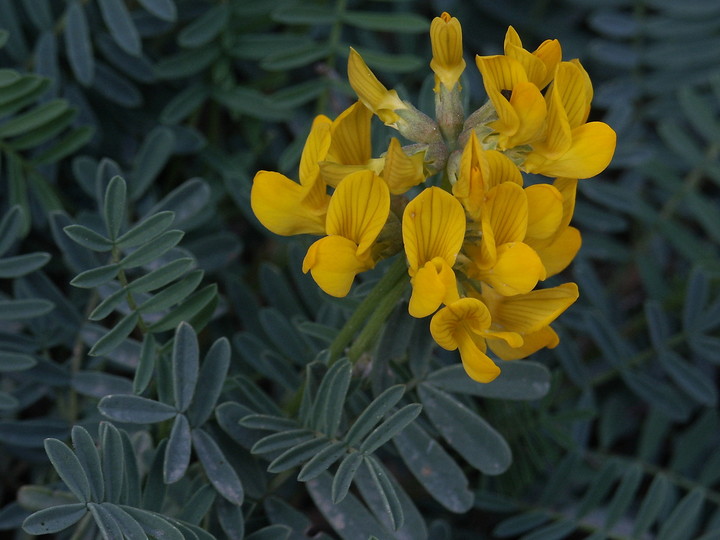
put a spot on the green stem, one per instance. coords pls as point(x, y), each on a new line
point(371, 313)
point(122, 278)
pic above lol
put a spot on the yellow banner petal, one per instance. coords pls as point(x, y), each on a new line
point(315, 149)
point(571, 87)
point(350, 136)
point(535, 68)
point(333, 263)
point(278, 203)
point(506, 207)
point(359, 208)
point(500, 72)
point(371, 91)
point(550, 53)
point(501, 169)
point(433, 225)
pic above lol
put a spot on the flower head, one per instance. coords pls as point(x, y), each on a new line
point(477, 241)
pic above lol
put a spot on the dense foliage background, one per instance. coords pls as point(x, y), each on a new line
point(129, 134)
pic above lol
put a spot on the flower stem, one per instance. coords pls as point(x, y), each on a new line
point(372, 312)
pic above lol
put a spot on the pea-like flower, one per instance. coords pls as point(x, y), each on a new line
point(357, 212)
point(433, 228)
point(286, 207)
point(465, 325)
point(571, 147)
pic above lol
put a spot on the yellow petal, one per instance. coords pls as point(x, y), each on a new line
point(315, 149)
point(462, 316)
point(278, 203)
point(459, 325)
point(508, 122)
point(506, 208)
point(447, 61)
point(545, 337)
point(478, 365)
point(545, 211)
point(568, 189)
point(469, 187)
point(501, 169)
point(433, 284)
point(433, 225)
point(500, 72)
point(550, 53)
point(359, 208)
point(400, 171)
point(534, 67)
point(350, 136)
point(517, 270)
point(560, 253)
point(370, 90)
point(528, 313)
point(513, 339)
point(333, 263)
point(592, 149)
point(332, 173)
point(571, 84)
point(558, 136)
point(529, 105)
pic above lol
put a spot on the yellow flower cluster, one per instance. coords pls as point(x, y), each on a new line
point(476, 240)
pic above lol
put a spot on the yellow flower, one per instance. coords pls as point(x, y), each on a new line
point(350, 150)
point(465, 324)
point(501, 258)
point(539, 65)
point(286, 207)
point(350, 145)
point(447, 61)
point(357, 212)
point(571, 147)
point(372, 92)
point(433, 228)
point(528, 315)
point(388, 106)
point(519, 105)
point(549, 233)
